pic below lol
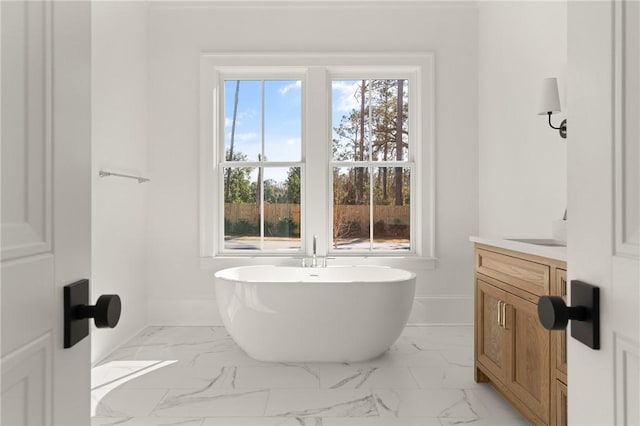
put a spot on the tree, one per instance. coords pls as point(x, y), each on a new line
point(237, 181)
point(399, 147)
point(274, 192)
point(385, 110)
point(230, 153)
point(292, 185)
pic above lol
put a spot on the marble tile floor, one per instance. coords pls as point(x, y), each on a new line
point(198, 376)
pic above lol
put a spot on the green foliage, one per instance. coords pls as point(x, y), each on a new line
point(244, 228)
point(379, 228)
point(237, 181)
point(387, 140)
point(285, 227)
point(292, 185)
point(274, 192)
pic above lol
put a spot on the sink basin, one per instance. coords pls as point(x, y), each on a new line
point(540, 241)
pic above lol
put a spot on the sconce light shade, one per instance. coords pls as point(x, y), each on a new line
point(550, 100)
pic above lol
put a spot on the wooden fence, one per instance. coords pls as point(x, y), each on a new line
point(387, 218)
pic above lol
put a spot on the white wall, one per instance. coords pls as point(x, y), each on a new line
point(522, 161)
point(119, 45)
point(180, 292)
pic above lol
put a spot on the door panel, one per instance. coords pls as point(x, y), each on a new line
point(603, 195)
point(27, 259)
point(26, 384)
point(491, 344)
point(45, 194)
point(26, 136)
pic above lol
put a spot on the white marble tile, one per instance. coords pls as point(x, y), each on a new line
point(449, 377)
point(126, 402)
point(458, 355)
point(380, 421)
point(321, 403)
point(404, 356)
point(337, 376)
point(186, 334)
point(120, 370)
point(183, 352)
point(198, 376)
point(147, 421)
point(263, 421)
point(492, 402)
point(429, 377)
point(277, 376)
point(223, 355)
point(173, 343)
point(426, 403)
point(488, 421)
point(210, 402)
point(181, 377)
point(436, 338)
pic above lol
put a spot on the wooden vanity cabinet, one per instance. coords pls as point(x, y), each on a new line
point(513, 352)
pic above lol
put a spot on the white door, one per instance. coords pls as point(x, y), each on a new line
point(603, 200)
point(45, 131)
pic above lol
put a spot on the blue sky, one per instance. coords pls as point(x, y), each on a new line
point(282, 116)
point(282, 119)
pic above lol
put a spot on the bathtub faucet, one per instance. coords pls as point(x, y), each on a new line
point(315, 257)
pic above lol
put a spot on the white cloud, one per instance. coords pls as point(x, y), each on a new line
point(344, 91)
point(245, 137)
point(295, 85)
point(292, 141)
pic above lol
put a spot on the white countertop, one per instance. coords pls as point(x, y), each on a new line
point(552, 252)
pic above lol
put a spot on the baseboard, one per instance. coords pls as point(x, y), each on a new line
point(427, 310)
point(184, 312)
point(97, 358)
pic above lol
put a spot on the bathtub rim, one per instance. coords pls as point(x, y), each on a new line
point(411, 277)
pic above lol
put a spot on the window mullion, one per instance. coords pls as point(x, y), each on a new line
point(260, 168)
point(315, 201)
point(370, 167)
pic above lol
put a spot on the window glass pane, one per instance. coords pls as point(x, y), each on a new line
point(350, 120)
point(375, 122)
point(389, 127)
point(241, 209)
point(282, 208)
point(351, 208)
point(391, 208)
point(282, 120)
point(242, 120)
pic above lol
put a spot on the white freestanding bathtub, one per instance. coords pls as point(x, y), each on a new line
point(333, 314)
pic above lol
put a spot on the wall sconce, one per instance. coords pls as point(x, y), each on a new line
point(550, 103)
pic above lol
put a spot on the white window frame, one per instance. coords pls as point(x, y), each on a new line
point(379, 73)
point(316, 71)
point(265, 74)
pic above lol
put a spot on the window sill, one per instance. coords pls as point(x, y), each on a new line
point(412, 263)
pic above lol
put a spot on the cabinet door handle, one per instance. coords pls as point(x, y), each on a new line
point(504, 315)
point(500, 313)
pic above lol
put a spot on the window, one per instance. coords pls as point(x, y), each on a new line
point(371, 167)
point(261, 165)
point(293, 147)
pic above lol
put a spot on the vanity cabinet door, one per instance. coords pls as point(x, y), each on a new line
point(528, 371)
point(491, 345)
point(559, 400)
